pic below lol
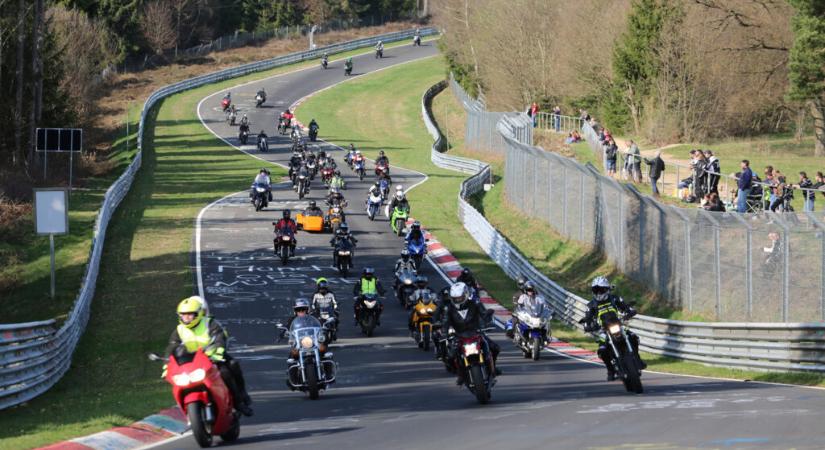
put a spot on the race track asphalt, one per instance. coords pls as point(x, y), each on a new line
point(390, 394)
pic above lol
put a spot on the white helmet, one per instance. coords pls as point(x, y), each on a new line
point(600, 287)
point(458, 293)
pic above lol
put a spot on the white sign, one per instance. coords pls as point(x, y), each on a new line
point(51, 211)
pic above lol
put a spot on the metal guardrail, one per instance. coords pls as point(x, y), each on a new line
point(750, 345)
point(35, 355)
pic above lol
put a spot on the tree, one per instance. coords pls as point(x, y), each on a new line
point(156, 25)
point(635, 63)
point(807, 64)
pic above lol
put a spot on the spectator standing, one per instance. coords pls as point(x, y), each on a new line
point(699, 174)
point(713, 170)
point(635, 161)
point(807, 196)
point(769, 180)
point(778, 189)
point(534, 113)
point(657, 167)
point(820, 182)
point(611, 153)
point(584, 117)
point(744, 184)
point(557, 119)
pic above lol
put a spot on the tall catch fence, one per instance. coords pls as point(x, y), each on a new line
point(35, 355)
point(767, 267)
point(763, 346)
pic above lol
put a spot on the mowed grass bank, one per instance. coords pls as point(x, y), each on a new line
point(388, 117)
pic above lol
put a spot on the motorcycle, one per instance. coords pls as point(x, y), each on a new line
point(475, 361)
point(373, 205)
point(416, 41)
point(243, 136)
point(384, 185)
point(326, 174)
point(625, 361)
point(283, 243)
point(261, 196)
point(405, 287)
point(310, 367)
point(324, 63)
point(532, 328)
point(379, 53)
point(442, 346)
point(225, 103)
point(417, 249)
point(283, 125)
point(398, 220)
point(259, 100)
point(330, 324)
point(202, 395)
point(368, 314)
point(347, 70)
point(312, 167)
point(302, 186)
point(313, 134)
point(345, 252)
point(423, 327)
point(263, 145)
point(335, 216)
point(381, 168)
point(231, 118)
point(359, 168)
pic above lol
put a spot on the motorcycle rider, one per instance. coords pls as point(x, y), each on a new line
point(337, 181)
point(528, 298)
point(335, 197)
point(348, 65)
point(367, 284)
point(198, 331)
point(602, 303)
point(398, 201)
point(262, 93)
point(382, 159)
point(243, 127)
point(375, 189)
point(286, 227)
point(262, 136)
point(380, 46)
point(302, 171)
point(342, 234)
point(350, 156)
point(415, 233)
point(313, 209)
point(286, 118)
point(466, 317)
point(262, 178)
point(423, 294)
point(323, 299)
point(244, 121)
point(520, 280)
point(313, 126)
point(404, 262)
point(325, 59)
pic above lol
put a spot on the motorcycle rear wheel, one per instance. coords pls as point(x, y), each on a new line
point(479, 386)
point(200, 429)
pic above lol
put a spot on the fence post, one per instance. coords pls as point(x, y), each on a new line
point(564, 205)
point(581, 206)
point(622, 227)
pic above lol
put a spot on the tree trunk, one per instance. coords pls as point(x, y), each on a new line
point(18, 103)
point(817, 107)
point(37, 80)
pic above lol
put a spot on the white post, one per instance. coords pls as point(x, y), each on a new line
point(51, 246)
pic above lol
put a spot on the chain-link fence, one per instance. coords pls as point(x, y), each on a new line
point(722, 266)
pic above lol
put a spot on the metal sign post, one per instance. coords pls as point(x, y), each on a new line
point(59, 140)
point(51, 216)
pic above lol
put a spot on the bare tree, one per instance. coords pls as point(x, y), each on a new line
point(156, 25)
point(18, 103)
point(37, 78)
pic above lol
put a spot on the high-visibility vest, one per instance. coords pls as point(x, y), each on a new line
point(369, 286)
point(198, 337)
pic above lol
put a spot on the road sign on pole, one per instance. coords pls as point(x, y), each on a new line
point(51, 216)
point(59, 140)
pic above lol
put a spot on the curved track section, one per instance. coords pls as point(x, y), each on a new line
point(390, 394)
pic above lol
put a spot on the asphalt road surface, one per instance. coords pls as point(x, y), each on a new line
point(390, 394)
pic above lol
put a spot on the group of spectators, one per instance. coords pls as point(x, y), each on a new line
point(774, 192)
point(631, 168)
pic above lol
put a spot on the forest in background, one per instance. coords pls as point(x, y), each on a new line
point(667, 70)
point(55, 55)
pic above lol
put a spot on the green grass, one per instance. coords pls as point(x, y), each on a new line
point(389, 118)
point(24, 257)
point(145, 273)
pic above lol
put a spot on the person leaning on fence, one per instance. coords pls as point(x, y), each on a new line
point(819, 185)
point(657, 167)
point(557, 119)
point(807, 196)
point(778, 187)
point(611, 153)
point(635, 161)
point(713, 170)
point(744, 184)
point(534, 113)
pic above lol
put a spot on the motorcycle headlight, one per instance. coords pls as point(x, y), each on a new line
point(344, 252)
point(471, 349)
point(197, 375)
point(407, 281)
point(369, 304)
point(181, 379)
point(429, 310)
point(301, 176)
point(286, 238)
point(306, 342)
point(261, 189)
point(614, 328)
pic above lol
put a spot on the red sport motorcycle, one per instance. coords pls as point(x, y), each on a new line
point(201, 393)
point(225, 103)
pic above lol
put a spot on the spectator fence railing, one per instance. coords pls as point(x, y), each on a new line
point(35, 355)
point(762, 346)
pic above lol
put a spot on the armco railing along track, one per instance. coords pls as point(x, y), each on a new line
point(762, 346)
point(35, 355)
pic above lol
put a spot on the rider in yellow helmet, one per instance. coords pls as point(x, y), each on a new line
point(197, 331)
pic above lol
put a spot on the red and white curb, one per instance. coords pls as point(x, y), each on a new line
point(165, 424)
point(449, 265)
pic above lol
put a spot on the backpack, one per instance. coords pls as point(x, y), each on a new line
point(611, 152)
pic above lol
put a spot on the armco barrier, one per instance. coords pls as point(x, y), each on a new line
point(760, 346)
point(34, 356)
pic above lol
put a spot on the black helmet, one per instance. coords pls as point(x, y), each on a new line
point(520, 281)
point(377, 184)
point(312, 204)
point(421, 279)
point(301, 304)
point(323, 285)
point(405, 254)
point(369, 271)
point(286, 214)
point(416, 225)
point(343, 228)
point(529, 287)
point(381, 153)
point(466, 272)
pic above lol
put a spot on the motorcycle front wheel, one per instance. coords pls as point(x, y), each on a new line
point(632, 379)
point(284, 254)
point(312, 380)
point(536, 349)
point(196, 414)
point(479, 386)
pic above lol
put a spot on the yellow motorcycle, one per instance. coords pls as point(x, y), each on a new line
point(422, 319)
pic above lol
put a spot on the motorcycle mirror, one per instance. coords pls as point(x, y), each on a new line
point(154, 357)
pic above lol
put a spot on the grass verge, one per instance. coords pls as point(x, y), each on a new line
point(145, 272)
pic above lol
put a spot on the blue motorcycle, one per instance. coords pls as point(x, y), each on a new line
point(417, 249)
point(373, 206)
point(532, 327)
point(384, 186)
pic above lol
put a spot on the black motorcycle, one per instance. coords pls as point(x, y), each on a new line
point(263, 146)
point(243, 136)
point(344, 252)
point(368, 314)
point(627, 364)
point(405, 287)
point(313, 134)
point(260, 98)
point(260, 196)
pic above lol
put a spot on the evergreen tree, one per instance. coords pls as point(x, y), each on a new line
point(807, 63)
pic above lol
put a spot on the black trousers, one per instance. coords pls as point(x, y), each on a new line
point(233, 378)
